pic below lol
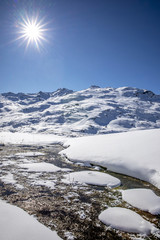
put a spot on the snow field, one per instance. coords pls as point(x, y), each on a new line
point(30, 139)
point(134, 153)
point(91, 111)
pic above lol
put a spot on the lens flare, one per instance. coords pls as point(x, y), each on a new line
point(32, 31)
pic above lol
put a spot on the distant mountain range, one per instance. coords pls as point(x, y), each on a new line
point(92, 111)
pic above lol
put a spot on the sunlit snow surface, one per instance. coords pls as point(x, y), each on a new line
point(16, 224)
point(30, 139)
point(8, 178)
point(126, 220)
point(29, 154)
point(45, 183)
point(91, 111)
point(92, 178)
point(42, 167)
point(134, 153)
point(144, 199)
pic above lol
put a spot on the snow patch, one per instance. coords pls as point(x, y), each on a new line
point(8, 162)
point(144, 199)
point(92, 178)
point(42, 167)
point(29, 154)
point(45, 183)
point(126, 220)
point(9, 179)
point(16, 224)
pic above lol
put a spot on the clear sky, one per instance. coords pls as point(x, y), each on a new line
point(110, 43)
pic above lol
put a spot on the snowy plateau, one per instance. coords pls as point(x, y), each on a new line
point(92, 111)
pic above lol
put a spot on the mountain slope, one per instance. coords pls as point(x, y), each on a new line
point(91, 111)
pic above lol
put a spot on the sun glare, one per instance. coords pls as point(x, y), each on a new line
point(32, 31)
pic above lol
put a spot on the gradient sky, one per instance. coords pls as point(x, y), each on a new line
point(109, 43)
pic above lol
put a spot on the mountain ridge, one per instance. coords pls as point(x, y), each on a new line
point(76, 113)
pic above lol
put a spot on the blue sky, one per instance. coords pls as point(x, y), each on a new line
point(110, 43)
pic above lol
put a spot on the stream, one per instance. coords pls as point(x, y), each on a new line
point(70, 209)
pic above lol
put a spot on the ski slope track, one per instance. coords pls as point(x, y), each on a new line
point(92, 111)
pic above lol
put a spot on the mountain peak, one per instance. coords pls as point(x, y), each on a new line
point(62, 92)
point(94, 87)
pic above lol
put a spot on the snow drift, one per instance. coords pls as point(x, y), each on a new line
point(134, 153)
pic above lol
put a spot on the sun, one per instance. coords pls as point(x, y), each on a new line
point(32, 31)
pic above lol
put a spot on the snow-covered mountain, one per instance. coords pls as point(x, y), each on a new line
point(92, 111)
